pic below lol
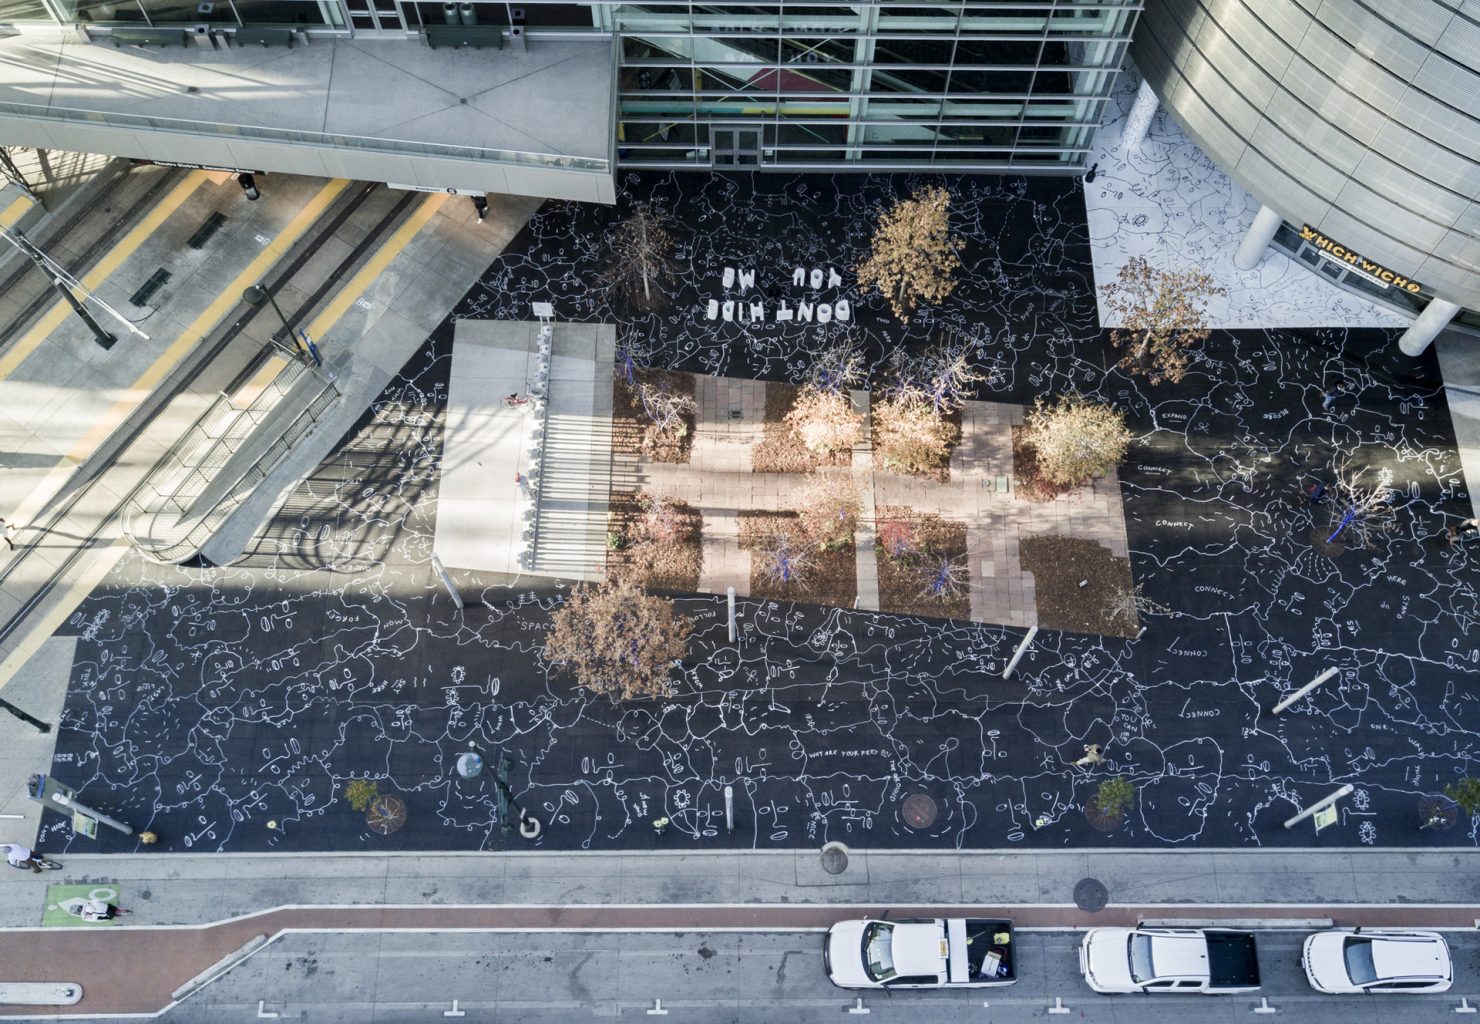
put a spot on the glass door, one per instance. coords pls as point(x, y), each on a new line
point(376, 17)
point(735, 146)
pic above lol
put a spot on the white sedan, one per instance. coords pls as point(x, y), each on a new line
point(1347, 960)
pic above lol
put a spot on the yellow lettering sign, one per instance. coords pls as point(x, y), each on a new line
point(1341, 252)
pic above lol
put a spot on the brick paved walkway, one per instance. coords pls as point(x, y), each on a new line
point(111, 965)
point(980, 493)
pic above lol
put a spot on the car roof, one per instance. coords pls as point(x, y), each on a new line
point(1409, 955)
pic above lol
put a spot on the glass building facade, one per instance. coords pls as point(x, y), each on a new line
point(985, 86)
point(980, 86)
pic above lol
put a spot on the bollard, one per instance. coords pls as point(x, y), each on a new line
point(1343, 791)
point(1032, 632)
point(729, 808)
point(730, 598)
point(452, 590)
point(1317, 681)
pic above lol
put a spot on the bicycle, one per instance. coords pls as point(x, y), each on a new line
point(44, 863)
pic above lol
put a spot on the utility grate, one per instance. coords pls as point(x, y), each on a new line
point(157, 280)
point(210, 227)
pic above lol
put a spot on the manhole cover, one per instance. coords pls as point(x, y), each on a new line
point(1090, 895)
point(834, 858)
point(919, 811)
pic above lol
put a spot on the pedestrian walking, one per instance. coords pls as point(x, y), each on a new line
point(8, 531)
point(1331, 394)
point(1468, 528)
point(1316, 493)
point(480, 203)
point(248, 183)
point(18, 856)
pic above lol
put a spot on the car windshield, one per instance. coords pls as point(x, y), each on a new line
point(1359, 965)
point(878, 951)
point(1141, 959)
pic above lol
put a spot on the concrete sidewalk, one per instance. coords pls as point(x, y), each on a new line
point(197, 889)
point(223, 906)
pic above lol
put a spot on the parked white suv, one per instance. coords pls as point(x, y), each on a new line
point(1347, 960)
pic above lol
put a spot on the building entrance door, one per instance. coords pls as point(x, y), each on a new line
point(376, 17)
point(735, 146)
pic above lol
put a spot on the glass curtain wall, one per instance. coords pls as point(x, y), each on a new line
point(981, 86)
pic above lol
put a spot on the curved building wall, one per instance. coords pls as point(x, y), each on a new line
point(1352, 116)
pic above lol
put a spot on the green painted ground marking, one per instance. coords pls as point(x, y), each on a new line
point(64, 905)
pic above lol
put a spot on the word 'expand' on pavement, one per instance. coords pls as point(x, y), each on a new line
point(207, 703)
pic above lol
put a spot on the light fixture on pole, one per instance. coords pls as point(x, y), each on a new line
point(257, 296)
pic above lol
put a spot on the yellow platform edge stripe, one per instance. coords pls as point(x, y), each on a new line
point(191, 336)
point(111, 261)
point(373, 268)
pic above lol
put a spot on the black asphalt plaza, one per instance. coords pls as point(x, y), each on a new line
point(206, 702)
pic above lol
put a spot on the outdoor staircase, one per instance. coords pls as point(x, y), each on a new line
point(571, 470)
point(220, 460)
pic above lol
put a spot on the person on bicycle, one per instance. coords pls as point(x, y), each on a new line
point(18, 856)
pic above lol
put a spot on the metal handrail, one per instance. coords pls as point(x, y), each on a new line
point(294, 136)
point(183, 475)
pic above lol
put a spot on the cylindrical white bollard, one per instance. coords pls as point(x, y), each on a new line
point(729, 808)
point(1317, 681)
point(1017, 657)
point(1343, 791)
point(730, 598)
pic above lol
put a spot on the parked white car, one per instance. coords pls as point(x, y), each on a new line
point(1346, 960)
point(954, 952)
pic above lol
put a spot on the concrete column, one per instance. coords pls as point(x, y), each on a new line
point(1426, 328)
point(1138, 121)
point(1256, 240)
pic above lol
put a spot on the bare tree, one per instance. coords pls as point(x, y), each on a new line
point(943, 577)
point(633, 353)
point(617, 640)
point(783, 559)
point(945, 376)
point(914, 254)
point(836, 368)
point(830, 509)
point(1364, 510)
point(640, 263)
point(1075, 440)
point(666, 408)
point(1161, 315)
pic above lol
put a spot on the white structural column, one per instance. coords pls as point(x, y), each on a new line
point(1256, 240)
point(1138, 121)
point(1426, 328)
point(862, 80)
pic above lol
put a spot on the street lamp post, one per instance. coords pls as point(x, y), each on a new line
point(470, 766)
point(257, 296)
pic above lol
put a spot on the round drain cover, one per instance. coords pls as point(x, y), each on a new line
point(834, 858)
point(1090, 895)
point(919, 811)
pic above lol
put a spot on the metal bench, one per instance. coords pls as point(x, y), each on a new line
point(476, 36)
point(148, 37)
point(257, 36)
